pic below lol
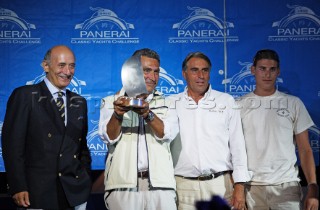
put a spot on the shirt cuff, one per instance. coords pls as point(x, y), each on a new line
point(166, 136)
point(241, 175)
point(111, 141)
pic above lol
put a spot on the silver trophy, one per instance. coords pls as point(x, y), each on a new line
point(133, 82)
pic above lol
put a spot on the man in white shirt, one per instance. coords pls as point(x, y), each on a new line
point(139, 169)
point(273, 124)
point(209, 152)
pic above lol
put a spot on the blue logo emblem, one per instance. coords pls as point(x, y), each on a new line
point(301, 24)
point(104, 27)
point(168, 84)
point(96, 146)
point(202, 26)
point(15, 30)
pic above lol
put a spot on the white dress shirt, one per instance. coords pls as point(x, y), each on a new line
point(54, 92)
point(210, 139)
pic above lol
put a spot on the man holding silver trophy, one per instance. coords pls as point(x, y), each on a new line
point(139, 171)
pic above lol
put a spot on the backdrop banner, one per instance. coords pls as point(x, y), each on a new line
point(103, 34)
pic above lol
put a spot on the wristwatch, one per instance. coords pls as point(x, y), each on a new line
point(149, 117)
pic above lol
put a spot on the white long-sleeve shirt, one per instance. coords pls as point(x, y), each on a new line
point(210, 138)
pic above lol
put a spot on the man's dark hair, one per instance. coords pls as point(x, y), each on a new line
point(266, 54)
point(195, 55)
point(148, 53)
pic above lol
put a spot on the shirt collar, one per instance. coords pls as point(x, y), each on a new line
point(53, 89)
point(206, 96)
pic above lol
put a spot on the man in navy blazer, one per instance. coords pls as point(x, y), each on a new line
point(46, 155)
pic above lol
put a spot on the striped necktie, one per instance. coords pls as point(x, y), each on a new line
point(60, 104)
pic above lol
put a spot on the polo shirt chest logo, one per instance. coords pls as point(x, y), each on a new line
point(283, 112)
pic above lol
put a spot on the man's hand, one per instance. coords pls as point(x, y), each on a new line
point(311, 201)
point(143, 110)
point(113, 127)
point(21, 198)
point(238, 198)
point(120, 106)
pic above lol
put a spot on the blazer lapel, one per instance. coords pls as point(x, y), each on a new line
point(46, 100)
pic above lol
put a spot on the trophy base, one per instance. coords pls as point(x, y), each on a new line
point(136, 102)
point(132, 103)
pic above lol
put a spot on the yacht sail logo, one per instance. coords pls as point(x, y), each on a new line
point(168, 84)
point(202, 26)
point(243, 82)
point(104, 27)
point(301, 24)
point(15, 30)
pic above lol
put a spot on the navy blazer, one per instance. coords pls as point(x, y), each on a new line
point(41, 154)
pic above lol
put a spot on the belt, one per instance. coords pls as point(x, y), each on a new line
point(206, 177)
point(143, 174)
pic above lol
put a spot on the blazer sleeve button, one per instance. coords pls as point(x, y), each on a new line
point(49, 135)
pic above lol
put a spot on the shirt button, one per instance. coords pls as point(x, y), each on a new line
point(80, 139)
point(74, 156)
point(60, 174)
point(77, 177)
point(60, 155)
point(49, 135)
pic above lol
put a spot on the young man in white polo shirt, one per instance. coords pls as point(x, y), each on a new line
point(273, 124)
